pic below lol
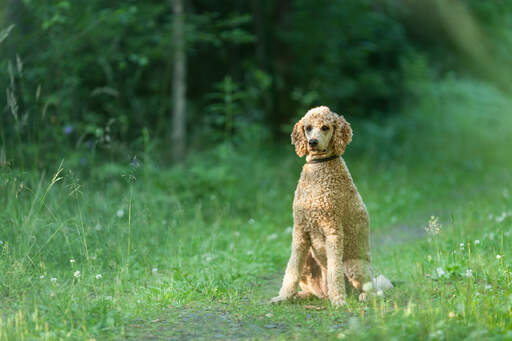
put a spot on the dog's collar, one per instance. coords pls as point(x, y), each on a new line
point(325, 159)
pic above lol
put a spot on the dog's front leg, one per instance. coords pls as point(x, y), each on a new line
point(335, 274)
point(300, 249)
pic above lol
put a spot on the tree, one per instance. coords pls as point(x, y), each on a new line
point(179, 82)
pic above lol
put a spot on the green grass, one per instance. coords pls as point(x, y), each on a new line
point(197, 251)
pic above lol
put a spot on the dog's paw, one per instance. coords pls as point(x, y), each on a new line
point(363, 297)
point(278, 299)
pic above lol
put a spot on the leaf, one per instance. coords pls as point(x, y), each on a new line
point(5, 33)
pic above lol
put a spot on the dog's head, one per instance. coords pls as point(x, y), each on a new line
point(321, 132)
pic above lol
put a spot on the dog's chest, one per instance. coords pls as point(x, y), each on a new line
point(321, 191)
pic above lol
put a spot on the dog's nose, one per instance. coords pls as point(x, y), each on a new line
point(313, 142)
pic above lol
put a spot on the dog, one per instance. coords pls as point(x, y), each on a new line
point(330, 243)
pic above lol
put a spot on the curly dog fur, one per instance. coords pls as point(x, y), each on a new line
point(330, 243)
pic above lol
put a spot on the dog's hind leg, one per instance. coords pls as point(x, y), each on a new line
point(358, 272)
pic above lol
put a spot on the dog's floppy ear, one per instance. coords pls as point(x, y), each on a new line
point(299, 139)
point(342, 135)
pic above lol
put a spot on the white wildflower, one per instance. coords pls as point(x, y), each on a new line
point(251, 221)
point(269, 315)
point(288, 230)
point(429, 258)
point(1, 242)
point(41, 277)
point(440, 272)
point(99, 276)
point(461, 246)
point(499, 256)
point(451, 314)
point(469, 273)
point(433, 227)
point(488, 287)
point(71, 260)
point(250, 252)
point(272, 236)
point(109, 298)
point(77, 274)
point(501, 217)
point(154, 270)
point(477, 241)
point(236, 233)
point(120, 213)
point(53, 279)
point(97, 227)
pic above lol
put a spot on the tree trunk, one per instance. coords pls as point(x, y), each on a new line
point(179, 82)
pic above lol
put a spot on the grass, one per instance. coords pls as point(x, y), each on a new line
point(134, 252)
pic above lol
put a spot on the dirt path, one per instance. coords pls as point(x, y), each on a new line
point(249, 320)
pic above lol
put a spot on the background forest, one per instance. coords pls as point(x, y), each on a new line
point(146, 172)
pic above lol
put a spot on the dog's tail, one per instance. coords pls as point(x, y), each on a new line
point(378, 284)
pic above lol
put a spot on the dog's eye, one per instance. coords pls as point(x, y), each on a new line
point(308, 128)
point(325, 128)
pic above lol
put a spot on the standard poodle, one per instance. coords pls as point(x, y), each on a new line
point(331, 229)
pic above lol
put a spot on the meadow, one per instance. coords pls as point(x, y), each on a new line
point(141, 251)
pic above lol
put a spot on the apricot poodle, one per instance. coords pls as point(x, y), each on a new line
point(331, 229)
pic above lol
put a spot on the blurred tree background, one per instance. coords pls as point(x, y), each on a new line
point(94, 79)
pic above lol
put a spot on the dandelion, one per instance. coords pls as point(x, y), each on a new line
point(477, 241)
point(272, 236)
point(99, 276)
point(120, 213)
point(41, 277)
point(154, 270)
point(499, 256)
point(433, 227)
point(451, 314)
point(53, 279)
point(71, 260)
point(77, 274)
point(469, 273)
point(440, 272)
point(288, 230)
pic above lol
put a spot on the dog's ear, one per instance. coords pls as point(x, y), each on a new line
point(342, 135)
point(299, 139)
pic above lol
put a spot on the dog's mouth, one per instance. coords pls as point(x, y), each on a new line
point(318, 150)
